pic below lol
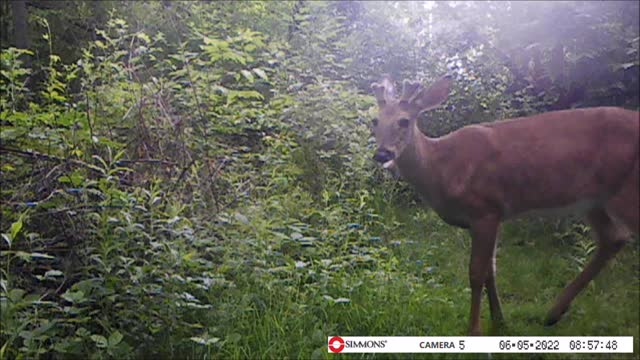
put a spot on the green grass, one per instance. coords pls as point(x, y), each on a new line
point(419, 287)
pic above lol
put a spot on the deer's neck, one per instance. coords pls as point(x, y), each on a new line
point(415, 162)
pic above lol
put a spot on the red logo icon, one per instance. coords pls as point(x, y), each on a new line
point(336, 344)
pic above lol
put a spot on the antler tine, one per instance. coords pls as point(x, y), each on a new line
point(409, 88)
point(378, 91)
point(384, 90)
point(389, 88)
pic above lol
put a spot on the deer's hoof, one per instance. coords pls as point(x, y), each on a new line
point(498, 327)
point(475, 332)
point(549, 321)
point(554, 316)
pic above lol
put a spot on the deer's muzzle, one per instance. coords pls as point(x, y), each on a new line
point(384, 156)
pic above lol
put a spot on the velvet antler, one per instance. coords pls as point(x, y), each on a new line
point(384, 90)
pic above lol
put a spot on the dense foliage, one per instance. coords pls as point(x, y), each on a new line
point(193, 179)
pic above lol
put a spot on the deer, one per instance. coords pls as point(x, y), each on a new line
point(582, 161)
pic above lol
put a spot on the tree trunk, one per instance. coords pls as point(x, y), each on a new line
point(20, 28)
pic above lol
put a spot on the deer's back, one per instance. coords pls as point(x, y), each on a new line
point(563, 159)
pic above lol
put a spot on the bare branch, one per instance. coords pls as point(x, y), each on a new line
point(41, 156)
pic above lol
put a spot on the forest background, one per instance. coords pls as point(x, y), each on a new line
point(194, 179)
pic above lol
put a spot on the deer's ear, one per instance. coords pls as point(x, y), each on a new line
point(433, 96)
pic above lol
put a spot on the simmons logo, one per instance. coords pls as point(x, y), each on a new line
point(337, 344)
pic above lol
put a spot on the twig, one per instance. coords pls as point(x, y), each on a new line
point(87, 113)
point(237, 196)
point(202, 127)
point(77, 208)
point(148, 161)
point(182, 173)
point(37, 155)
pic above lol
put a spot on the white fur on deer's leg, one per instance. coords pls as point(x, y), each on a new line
point(497, 319)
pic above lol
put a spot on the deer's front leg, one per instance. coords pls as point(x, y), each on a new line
point(497, 320)
point(483, 241)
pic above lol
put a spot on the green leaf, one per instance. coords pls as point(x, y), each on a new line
point(248, 95)
point(53, 273)
point(74, 296)
point(119, 22)
point(115, 338)
point(247, 75)
point(342, 301)
point(35, 255)
point(234, 338)
point(7, 239)
point(261, 74)
point(144, 37)
point(241, 218)
point(82, 332)
point(100, 341)
point(15, 295)
point(15, 229)
point(205, 341)
point(76, 179)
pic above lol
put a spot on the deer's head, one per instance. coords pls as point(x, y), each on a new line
point(396, 121)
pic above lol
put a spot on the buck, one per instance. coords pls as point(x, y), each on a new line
point(583, 161)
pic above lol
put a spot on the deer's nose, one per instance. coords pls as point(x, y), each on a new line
point(383, 155)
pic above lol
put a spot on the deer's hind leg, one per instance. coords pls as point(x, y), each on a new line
point(625, 204)
point(610, 238)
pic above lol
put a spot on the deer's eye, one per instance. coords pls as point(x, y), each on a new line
point(374, 121)
point(404, 122)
